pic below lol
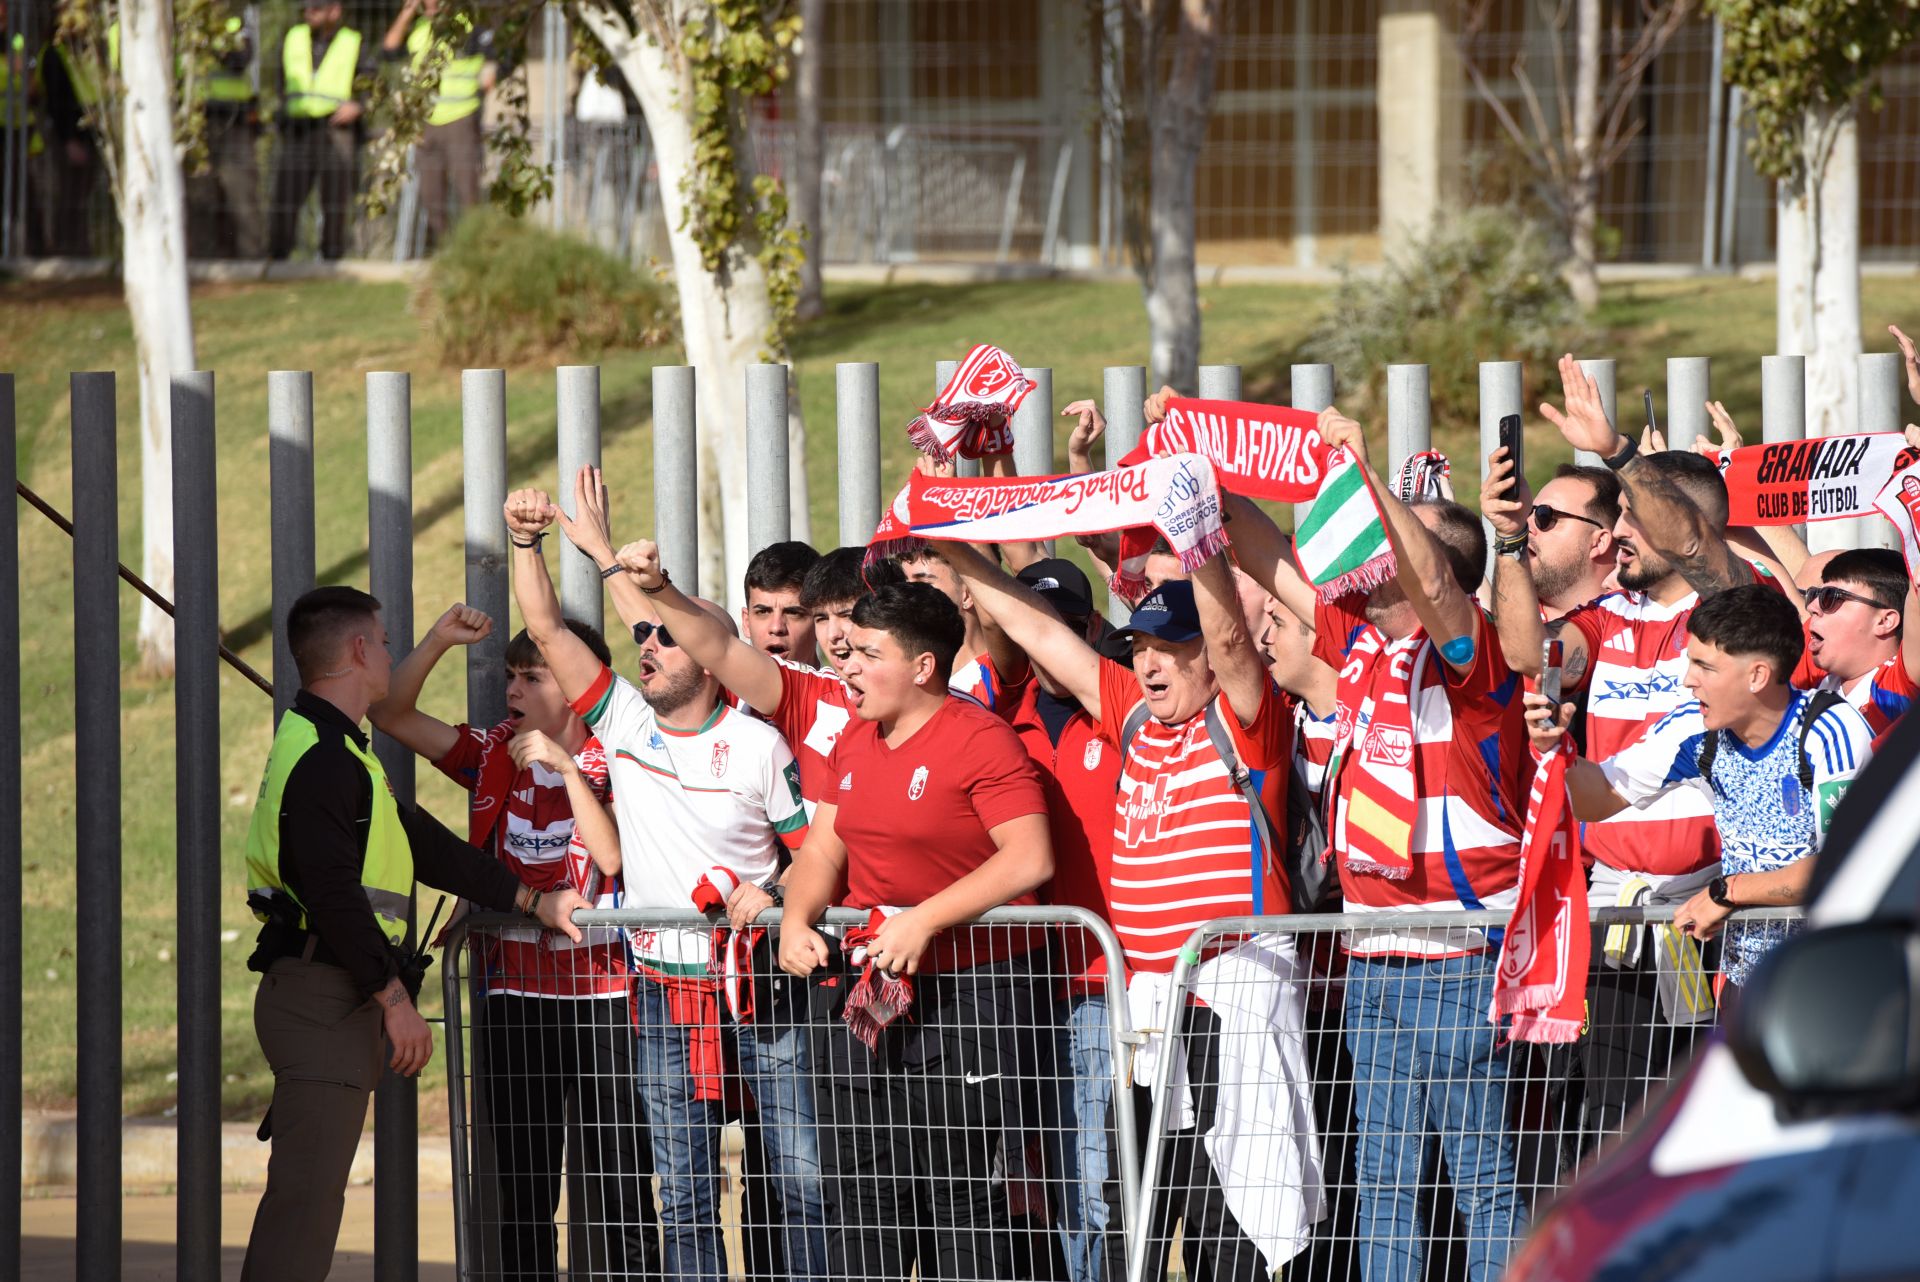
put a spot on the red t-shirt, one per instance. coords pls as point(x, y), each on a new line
point(1183, 840)
point(814, 709)
point(1081, 776)
point(535, 838)
point(918, 817)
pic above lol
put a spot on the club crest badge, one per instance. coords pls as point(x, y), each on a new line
point(918, 784)
point(720, 753)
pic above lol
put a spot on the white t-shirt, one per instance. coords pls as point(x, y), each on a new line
point(1765, 818)
point(687, 801)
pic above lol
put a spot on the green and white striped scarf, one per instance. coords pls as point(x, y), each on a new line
point(1342, 544)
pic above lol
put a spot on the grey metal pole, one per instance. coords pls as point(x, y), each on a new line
point(396, 1140)
point(578, 390)
point(676, 482)
point(290, 513)
point(856, 401)
point(1783, 398)
point(769, 484)
point(483, 440)
point(1604, 373)
point(1689, 388)
point(1311, 389)
point(96, 753)
point(1881, 375)
point(10, 845)
point(1409, 413)
point(1123, 398)
point(196, 745)
point(1033, 427)
point(1219, 382)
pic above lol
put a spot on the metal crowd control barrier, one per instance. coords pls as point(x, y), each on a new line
point(986, 1134)
point(1356, 1118)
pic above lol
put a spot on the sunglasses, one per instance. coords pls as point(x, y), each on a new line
point(1545, 518)
point(643, 630)
point(1826, 598)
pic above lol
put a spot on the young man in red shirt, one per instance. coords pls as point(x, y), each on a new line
point(554, 1025)
point(774, 620)
point(937, 816)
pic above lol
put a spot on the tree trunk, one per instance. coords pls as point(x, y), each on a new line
point(803, 188)
point(1833, 359)
point(724, 322)
point(1583, 195)
point(154, 271)
point(1181, 112)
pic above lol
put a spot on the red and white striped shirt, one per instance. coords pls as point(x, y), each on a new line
point(1183, 841)
point(814, 709)
point(1637, 652)
point(1469, 745)
point(535, 837)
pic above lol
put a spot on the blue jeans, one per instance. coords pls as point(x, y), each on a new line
point(686, 1141)
point(1081, 1138)
point(1426, 1064)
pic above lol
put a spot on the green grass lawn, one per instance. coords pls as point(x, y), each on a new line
point(342, 330)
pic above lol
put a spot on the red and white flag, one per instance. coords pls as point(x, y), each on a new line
point(1542, 978)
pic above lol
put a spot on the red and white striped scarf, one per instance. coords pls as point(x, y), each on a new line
point(1375, 786)
point(970, 416)
point(1542, 978)
point(1823, 478)
point(878, 997)
point(731, 959)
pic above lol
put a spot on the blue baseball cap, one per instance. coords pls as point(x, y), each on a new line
point(1168, 612)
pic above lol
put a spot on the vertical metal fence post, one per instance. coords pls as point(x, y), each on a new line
point(1311, 388)
point(676, 482)
point(1689, 388)
point(1033, 427)
point(1881, 376)
point(396, 1118)
point(483, 441)
point(290, 512)
point(1219, 382)
point(1500, 393)
point(196, 743)
point(856, 403)
point(1409, 414)
point(769, 486)
point(1603, 372)
point(1783, 398)
point(96, 753)
point(1123, 397)
point(577, 388)
point(10, 844)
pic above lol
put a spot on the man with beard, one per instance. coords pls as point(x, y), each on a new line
point(1857, 641)
point(1566, 534)
point(1627, 653)
point(698, 786)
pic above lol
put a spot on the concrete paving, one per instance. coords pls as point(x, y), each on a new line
point(47, 1237)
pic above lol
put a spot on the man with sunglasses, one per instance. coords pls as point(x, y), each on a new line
point(1857, 638)
point(1568, 530)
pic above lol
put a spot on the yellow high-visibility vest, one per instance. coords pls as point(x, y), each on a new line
point(314, 93)
point(459, 83)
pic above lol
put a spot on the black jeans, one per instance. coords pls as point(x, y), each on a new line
point(542, 1052)
point(1630, 1047)
point(910, 1133)
point(1212, 1245)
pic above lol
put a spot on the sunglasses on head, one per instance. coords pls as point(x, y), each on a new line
point(643, 630)
point(1545, 518)
point(1827, 598)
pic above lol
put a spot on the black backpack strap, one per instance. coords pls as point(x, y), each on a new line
point(1243, 783)
point(1818, 705)
point(1709, 749)
point(1130, 728)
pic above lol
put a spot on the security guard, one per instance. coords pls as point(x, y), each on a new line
point(449, 154)
point(331, 863)
point(223, 204)
point(320, 118)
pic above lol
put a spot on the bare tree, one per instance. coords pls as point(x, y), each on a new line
point(1571, 129)
point(804, 185)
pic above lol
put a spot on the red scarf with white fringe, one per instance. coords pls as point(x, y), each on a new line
point(731, 962)
point(1542, 978)
point(969, 418)
point(878, 997)
point(1260, 451)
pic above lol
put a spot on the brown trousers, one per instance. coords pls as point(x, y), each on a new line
point(326, 1046)
point(448, 159)
point(223, 204)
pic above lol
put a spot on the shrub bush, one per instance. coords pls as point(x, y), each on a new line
point(504, 292)
point(1483, 285)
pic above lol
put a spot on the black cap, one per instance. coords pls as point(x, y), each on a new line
point(1168, 612)
point(1062, 585)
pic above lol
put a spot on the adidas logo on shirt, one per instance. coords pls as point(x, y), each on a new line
point(846, 783)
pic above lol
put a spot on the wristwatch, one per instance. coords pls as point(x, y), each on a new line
point(1717, 892)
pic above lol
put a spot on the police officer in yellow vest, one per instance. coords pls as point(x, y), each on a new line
point(331, 862)
point(448, 157)
point(223, 204)
point(321, 63)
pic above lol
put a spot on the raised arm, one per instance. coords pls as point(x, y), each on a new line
point(753, 677)
point(396, 37)
point(1448, 614)
point(1592, 795)
point(1516, 599)
point(591, 531)
point(573, 665)
point(1263, 551)
point(398, 716)
point(1236, 662)
point(1667, 518)
point(1030, 624)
